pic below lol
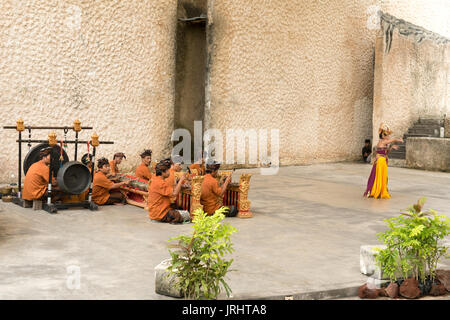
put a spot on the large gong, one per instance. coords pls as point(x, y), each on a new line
point(74, 177)
point(33, 156)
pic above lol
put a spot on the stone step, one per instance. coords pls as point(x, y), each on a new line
point(436, 122)
point(425, 128)
point(434, 131)
point(428, 124)
point(431, 121)
point(400, 156)
point(420, 135)
point(397, 151)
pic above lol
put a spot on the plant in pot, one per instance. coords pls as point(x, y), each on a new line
point(412, 249)
point(199, 262)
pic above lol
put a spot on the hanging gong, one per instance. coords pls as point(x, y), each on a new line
point(74, 177)
point(33, 156)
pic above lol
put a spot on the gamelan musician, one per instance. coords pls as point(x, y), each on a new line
point(212, 192)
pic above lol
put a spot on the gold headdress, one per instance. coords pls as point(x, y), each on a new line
point(384, 129)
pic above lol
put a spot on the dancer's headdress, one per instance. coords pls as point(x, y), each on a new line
point(384, 130)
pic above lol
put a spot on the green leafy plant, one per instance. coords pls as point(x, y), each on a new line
point(199, 261)
point(412, 243)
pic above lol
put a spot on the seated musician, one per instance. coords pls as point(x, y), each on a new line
point(36, 180)
point(160, 194)
point(175, 166)
point(142, 171)
point(117, 159)
point(212, 192)
point(199, 166)
point(104, 191)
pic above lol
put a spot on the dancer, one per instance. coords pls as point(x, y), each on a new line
point(377, 183)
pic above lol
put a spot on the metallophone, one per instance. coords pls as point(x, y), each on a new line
point(189, 197)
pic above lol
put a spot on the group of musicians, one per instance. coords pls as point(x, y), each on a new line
point(162, 191)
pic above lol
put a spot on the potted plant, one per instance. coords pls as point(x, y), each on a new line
point(198, 262)
point(412, 248)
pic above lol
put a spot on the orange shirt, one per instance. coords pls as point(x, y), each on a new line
point(143, 172)
point(100, 188)
point(114, 168)
point(210, 193)
point(200, 169)
point(36, 181)
point(159, 198)
point(171, 178)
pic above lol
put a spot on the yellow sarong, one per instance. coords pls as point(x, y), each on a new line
point(379, 189)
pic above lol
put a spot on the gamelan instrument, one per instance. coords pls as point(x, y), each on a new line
point(74, 178)
point(136, 192)
point(189, 197)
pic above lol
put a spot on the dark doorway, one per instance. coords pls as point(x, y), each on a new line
point(190, 66)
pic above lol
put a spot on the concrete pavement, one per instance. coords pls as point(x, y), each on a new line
point(308, 225)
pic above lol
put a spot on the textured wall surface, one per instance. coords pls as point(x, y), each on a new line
point(411, 76)
point(108, 63)
point(428, 153)
point(304, 67)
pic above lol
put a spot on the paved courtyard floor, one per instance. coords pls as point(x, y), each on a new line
point(309, 223)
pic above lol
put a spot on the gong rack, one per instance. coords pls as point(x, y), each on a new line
point(52, 141)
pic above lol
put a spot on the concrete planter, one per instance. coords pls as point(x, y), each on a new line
point(368, 264)
point(165, 283)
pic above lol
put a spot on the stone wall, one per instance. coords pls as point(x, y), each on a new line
point(428, 153)
point(304, 67)
point(411, 75)
point(108, 63)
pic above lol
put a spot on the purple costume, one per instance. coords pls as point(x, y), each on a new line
point(383, 152)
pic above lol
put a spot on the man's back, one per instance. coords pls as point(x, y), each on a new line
point(36, 181)
point(210, 193)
